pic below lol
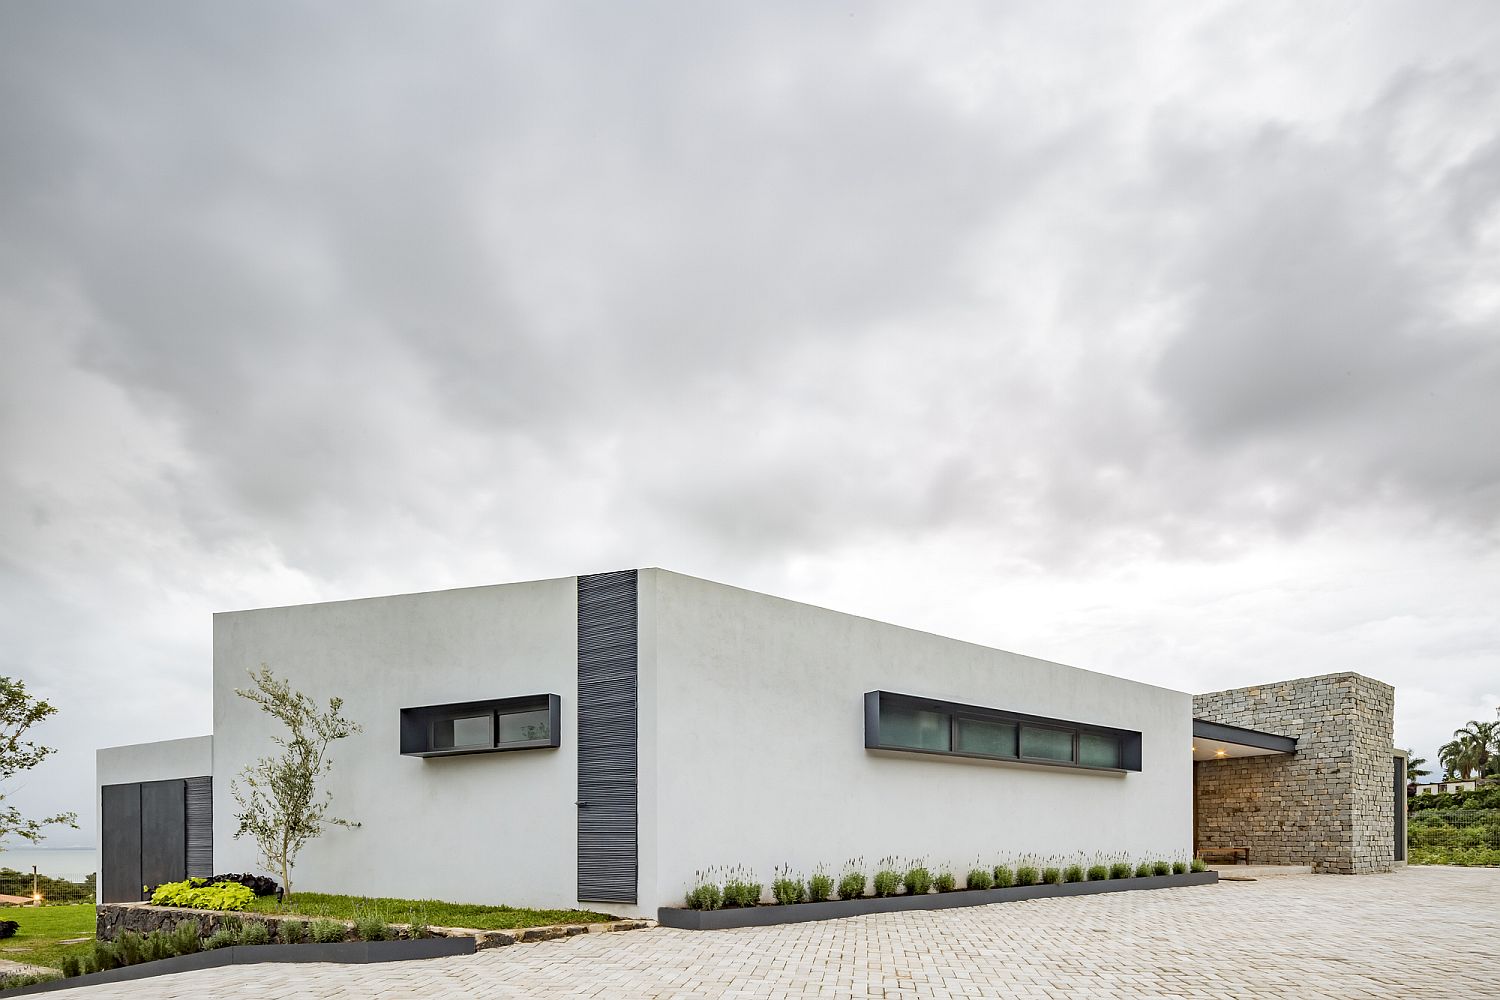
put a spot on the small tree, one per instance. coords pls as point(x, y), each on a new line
point(279, 804)
point(19, 711)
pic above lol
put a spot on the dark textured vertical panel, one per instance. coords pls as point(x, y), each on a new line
point(120, 847)
point(1398, 808)
point(163, 831)
point(607, 748)
point(200, 827)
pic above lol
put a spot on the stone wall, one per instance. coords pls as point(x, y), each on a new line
point(1329, 805)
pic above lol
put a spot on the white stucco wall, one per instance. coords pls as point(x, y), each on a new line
point(188, 758)
point(484, 828)
point(759, 754)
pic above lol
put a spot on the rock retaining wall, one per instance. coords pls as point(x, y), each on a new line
point(1329, 805)
point(113, 919)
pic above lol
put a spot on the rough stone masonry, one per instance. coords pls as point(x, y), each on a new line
point(1330, 804)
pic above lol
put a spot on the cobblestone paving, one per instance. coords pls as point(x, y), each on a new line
point(1421, 932)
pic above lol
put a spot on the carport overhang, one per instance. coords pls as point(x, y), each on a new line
point(1216, 741)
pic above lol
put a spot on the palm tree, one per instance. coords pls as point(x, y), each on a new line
point(1484, 738)
point(1460, 757)
point(1415, 772)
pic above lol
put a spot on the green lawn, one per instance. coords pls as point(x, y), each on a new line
point(42, 928)
point(429, 911)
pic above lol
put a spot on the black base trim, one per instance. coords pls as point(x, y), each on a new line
point(343, 953)
point(764, 916)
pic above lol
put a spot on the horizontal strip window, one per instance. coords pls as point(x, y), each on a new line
point(922, 725)
point(531, 722)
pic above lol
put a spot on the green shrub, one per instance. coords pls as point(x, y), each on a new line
point(104, 957)
point(16, 980)
point(1098, 873)
point(979, 878)
point(851, 885)
point(158, 946)
point(1143, 870)
point(71, 966)
point(1198, 865)
point(1025, 875)
point(372, 927)
point(131, 948)
point(945, 882)
point(1120, 869)
point(1052, 876)
point(1160, 868)
point(255, 932)
point(185, 938)
point(291, 931)
point(420, 930)
point(820, 886)
point(704, 897)
point(221, 938)
point(193, 894)
point(1465, 856)
point(788, 890)
point(918, 881)
point(742, 892)
point(1073, 873)
point(327, 931)
point(887, 882)
point(1179, 868)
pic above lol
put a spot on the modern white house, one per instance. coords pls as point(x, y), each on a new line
point(1450, 786)
point(597, 740)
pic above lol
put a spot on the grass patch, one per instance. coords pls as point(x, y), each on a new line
point(42, 930)
point(422, 911)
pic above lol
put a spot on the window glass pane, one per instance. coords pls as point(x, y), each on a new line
point(468, 731)
point(916, 728)
point(1095, 750)
point(1046, 744)
point(525, 727)
point(998, 739)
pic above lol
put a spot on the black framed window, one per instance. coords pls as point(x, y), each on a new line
point(530, 722)
point(462, 732)
point(915, 728)
point(988, 737)
point(1047, 743)
point(923, 725)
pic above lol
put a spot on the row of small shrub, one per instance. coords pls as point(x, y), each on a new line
point(131, 948)
point(739, 888)
point(1480, 798)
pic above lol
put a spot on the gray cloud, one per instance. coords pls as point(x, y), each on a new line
point(1039, 325)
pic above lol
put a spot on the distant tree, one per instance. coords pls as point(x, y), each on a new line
point(1415, 772)
point(1473, 749)
point(1484, 738)
point(279, 802)
point(19, 711)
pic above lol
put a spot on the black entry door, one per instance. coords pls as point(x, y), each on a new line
point(120, 844)
point(163, 831)
point(147, 829)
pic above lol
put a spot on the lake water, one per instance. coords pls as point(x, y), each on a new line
point(69, 863)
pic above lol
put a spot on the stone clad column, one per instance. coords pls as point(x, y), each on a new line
point(1329, 804)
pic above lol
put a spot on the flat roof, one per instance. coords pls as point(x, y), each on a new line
point(1215, 740)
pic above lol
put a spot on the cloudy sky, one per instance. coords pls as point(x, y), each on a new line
point(1158, 339)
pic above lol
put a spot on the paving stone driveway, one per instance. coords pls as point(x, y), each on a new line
point(1421, 932)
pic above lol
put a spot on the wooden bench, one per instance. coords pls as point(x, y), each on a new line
point(1234, 855)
